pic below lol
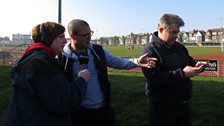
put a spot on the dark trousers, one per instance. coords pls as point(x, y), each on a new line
point(161, 114)
point(104, 116)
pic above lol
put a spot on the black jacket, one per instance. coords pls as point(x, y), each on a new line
point(166, 82)
point(42, 94)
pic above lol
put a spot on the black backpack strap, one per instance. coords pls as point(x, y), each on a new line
point(99, 53)
point(101, 66)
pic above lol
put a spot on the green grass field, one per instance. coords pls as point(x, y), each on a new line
point(130, 102)
point(5, 89)
point(123, 51)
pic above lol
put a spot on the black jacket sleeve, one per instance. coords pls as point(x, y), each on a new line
point(161, 76)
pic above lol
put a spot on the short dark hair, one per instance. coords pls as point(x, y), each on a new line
point(74, 25)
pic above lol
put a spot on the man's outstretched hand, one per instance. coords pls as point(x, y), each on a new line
point(146, 61)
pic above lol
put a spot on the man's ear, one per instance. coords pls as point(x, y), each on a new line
point(161, 29)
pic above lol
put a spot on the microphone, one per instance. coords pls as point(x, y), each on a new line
point(83, 60)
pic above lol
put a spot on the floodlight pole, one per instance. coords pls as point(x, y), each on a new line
point(59, 11)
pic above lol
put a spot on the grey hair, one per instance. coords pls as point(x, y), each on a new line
point(167, 19)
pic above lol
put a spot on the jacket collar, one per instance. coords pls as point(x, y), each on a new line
point(68, 52)
point(159, 42)
point(37, 46)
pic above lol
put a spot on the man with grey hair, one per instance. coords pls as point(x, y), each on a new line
point(169, 87)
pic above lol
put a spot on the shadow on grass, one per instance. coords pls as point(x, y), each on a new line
point(130, 102)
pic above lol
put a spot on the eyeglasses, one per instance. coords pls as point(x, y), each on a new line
point(86, 34)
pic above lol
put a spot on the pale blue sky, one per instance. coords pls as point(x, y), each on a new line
point(109, 17)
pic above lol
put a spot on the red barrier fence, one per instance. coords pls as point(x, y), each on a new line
point(218, 57)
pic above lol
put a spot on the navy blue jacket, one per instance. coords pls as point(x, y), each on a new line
point(42, 94)
point(166, 83)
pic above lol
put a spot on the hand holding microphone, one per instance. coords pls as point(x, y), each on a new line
point(84, 74)
point(83, 60)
